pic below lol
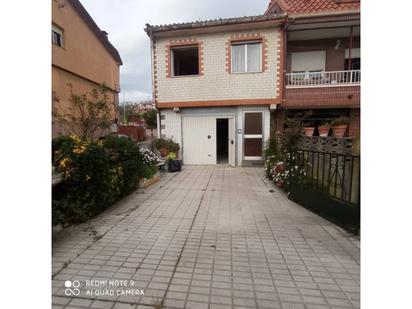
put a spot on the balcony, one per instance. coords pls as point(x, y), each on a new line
point(323, 79)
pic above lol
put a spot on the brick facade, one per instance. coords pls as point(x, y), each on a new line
point(354, 123)
point(215, 86)
point(322, 97)
point(181, 43)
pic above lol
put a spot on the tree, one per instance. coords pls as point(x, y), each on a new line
point(150, 117)
point(88, 112)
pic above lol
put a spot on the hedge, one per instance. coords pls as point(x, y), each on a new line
point(96, 174)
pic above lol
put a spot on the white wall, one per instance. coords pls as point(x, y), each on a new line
point(173, 127)
point(217, 83)
point(173, 123)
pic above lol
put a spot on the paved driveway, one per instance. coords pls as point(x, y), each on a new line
point(208, 237)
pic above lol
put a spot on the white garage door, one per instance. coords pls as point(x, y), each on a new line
point(199, 140)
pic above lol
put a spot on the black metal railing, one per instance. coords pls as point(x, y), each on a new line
point(326, 180)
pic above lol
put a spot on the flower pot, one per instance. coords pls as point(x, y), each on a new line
point(323, 131)
point(340, 130)
point(309, 131)
point(144, 182)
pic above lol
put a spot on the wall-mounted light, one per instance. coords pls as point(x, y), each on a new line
point(337, 45)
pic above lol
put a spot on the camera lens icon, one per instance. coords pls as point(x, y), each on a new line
point(72, 288)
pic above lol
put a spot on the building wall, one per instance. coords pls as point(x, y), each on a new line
point(216, 82)
point(61, 96)
point(82, 61)
point(82, 52)
point(171, 123)
point(354, 123)
point(171, 127)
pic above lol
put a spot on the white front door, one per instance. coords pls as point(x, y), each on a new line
point(199, 140)
point(232, 142)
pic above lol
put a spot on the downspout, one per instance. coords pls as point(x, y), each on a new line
point(350, 48)
point(283, 89)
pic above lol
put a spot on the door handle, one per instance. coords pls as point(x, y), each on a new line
point(208, 136)
point(231, 141)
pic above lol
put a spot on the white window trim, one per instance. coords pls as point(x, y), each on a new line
point(172, 59)
point(59, 31)
point(246, 136)
point(245, 46)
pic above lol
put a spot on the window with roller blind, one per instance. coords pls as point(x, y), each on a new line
point(246, 57)
point(313, 61)
point(57, 35)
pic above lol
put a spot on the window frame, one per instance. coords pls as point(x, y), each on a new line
point(171, 57)
point(59, 31)
point(246, 43)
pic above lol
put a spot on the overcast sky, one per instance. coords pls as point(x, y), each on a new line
point(125, 20)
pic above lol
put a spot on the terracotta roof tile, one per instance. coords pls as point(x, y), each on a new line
point(314, 6)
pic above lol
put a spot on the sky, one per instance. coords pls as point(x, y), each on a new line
point(125, 20)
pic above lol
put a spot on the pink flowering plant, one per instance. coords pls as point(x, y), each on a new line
point(281, 154)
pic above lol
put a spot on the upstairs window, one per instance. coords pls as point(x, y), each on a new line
point(185, 60)
point(312, 61)
point(246, 57)
point(57, 35)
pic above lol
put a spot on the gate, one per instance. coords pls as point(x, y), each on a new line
point(329, 184)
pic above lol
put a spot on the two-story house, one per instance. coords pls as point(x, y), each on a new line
point(322, 61)
point(222, 86)
point(214, 84)
point(81, 56)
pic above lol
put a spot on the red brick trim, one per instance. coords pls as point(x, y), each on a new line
point(180, 43)
point(218, 103)
point(322, 97)
point(280, 68)
point(155, 90)
point(245, 37)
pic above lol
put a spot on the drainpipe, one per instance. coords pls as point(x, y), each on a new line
point(284, 61)
point(350, 48)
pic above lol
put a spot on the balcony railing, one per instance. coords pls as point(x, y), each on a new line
point(324, 78)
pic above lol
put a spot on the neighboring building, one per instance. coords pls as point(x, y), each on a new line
point(322, 60)
point(222, 86)
point(81, 55)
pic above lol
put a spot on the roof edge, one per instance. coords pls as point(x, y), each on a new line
point(79, 8)
point(152, 29)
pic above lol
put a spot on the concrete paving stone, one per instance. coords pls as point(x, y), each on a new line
point(173, 303)
point(198, 298)
point(292, 306)
point(248, 302)
point(124, 306)
point(194, 305)
point(98, 304)
point(267, 304)
point(236, 241)
point(80, 302)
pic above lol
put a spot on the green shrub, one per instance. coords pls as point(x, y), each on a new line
point(168, 144)
point(340, 121)
point(96, 174)
point(272, 155)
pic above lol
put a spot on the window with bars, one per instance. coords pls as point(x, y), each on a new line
point(57, 35)
point(246, 57)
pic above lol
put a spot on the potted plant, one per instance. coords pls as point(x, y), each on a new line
point(324, 129)
point(339, 126)
point(309, 130)
point(173, 164)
